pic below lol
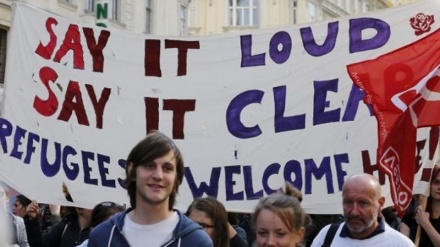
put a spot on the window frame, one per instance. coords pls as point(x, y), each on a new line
point(234, 18)
point(148, 16)
point(294, 11)
point(116, 10)
point(183, 20)
point(89, 6)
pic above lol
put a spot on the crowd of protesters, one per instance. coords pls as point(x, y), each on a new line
point(154, 173)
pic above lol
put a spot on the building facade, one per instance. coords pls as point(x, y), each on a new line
point(218, 16)
point(193, 17)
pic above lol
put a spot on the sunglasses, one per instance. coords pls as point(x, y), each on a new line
point(111, 205)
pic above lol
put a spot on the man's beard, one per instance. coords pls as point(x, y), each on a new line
point(365, 224)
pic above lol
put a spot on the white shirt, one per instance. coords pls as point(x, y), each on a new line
point(389, 238)
point(149, 235)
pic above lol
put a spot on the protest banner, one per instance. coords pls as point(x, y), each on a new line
point(249, 110)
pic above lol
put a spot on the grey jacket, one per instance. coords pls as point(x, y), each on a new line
point(20, 230)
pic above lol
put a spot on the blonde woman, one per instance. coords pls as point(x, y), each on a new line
point(279, 219)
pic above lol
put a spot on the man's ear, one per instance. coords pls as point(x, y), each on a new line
point(381, 202)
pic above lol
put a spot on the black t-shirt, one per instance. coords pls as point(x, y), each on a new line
point(425, 241)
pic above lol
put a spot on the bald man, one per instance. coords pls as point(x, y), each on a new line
point(362, 203)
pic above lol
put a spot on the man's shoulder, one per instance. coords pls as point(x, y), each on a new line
point(398, 237)
point(185, 222)
point(191, 233)
point(17, 220)
point(102, 234)
point(197, 237)
point(319, 239)
point(103, 227)
point(108, 225)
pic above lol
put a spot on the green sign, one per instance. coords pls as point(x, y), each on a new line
point(102, 8)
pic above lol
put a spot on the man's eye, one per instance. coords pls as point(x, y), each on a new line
point(168, 168)
point(148, 165)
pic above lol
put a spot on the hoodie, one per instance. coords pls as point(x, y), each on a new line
point(186, 234)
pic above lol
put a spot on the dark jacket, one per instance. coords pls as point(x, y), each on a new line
point(186, 234)
point(238, 241)
point(33, 231)
point(66, 233)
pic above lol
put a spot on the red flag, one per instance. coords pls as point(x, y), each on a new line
point(404, 90)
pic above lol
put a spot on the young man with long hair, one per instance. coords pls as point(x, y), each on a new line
point(154, 172)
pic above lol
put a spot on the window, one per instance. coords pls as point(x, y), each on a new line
point(193, 14)
point(90, 6)
point(117, 10)
point(148, 16)
point(243, 12)
point(3, 38)
point(312, 11)
point(183, 20)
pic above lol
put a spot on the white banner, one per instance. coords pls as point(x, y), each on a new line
point(249, 110)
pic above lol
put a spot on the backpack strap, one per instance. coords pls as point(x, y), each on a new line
point(330, 234)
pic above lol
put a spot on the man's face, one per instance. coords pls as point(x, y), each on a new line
point(361, 208)
point(155, 181)
point(18, 209)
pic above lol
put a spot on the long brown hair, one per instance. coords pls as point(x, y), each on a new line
point(153, 146)
point(434, 174)
point(217, 212)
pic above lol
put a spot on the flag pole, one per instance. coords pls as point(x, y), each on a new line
point(422, 201)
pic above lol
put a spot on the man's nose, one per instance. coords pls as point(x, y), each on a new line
point(355, 209)
point(158, 173)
